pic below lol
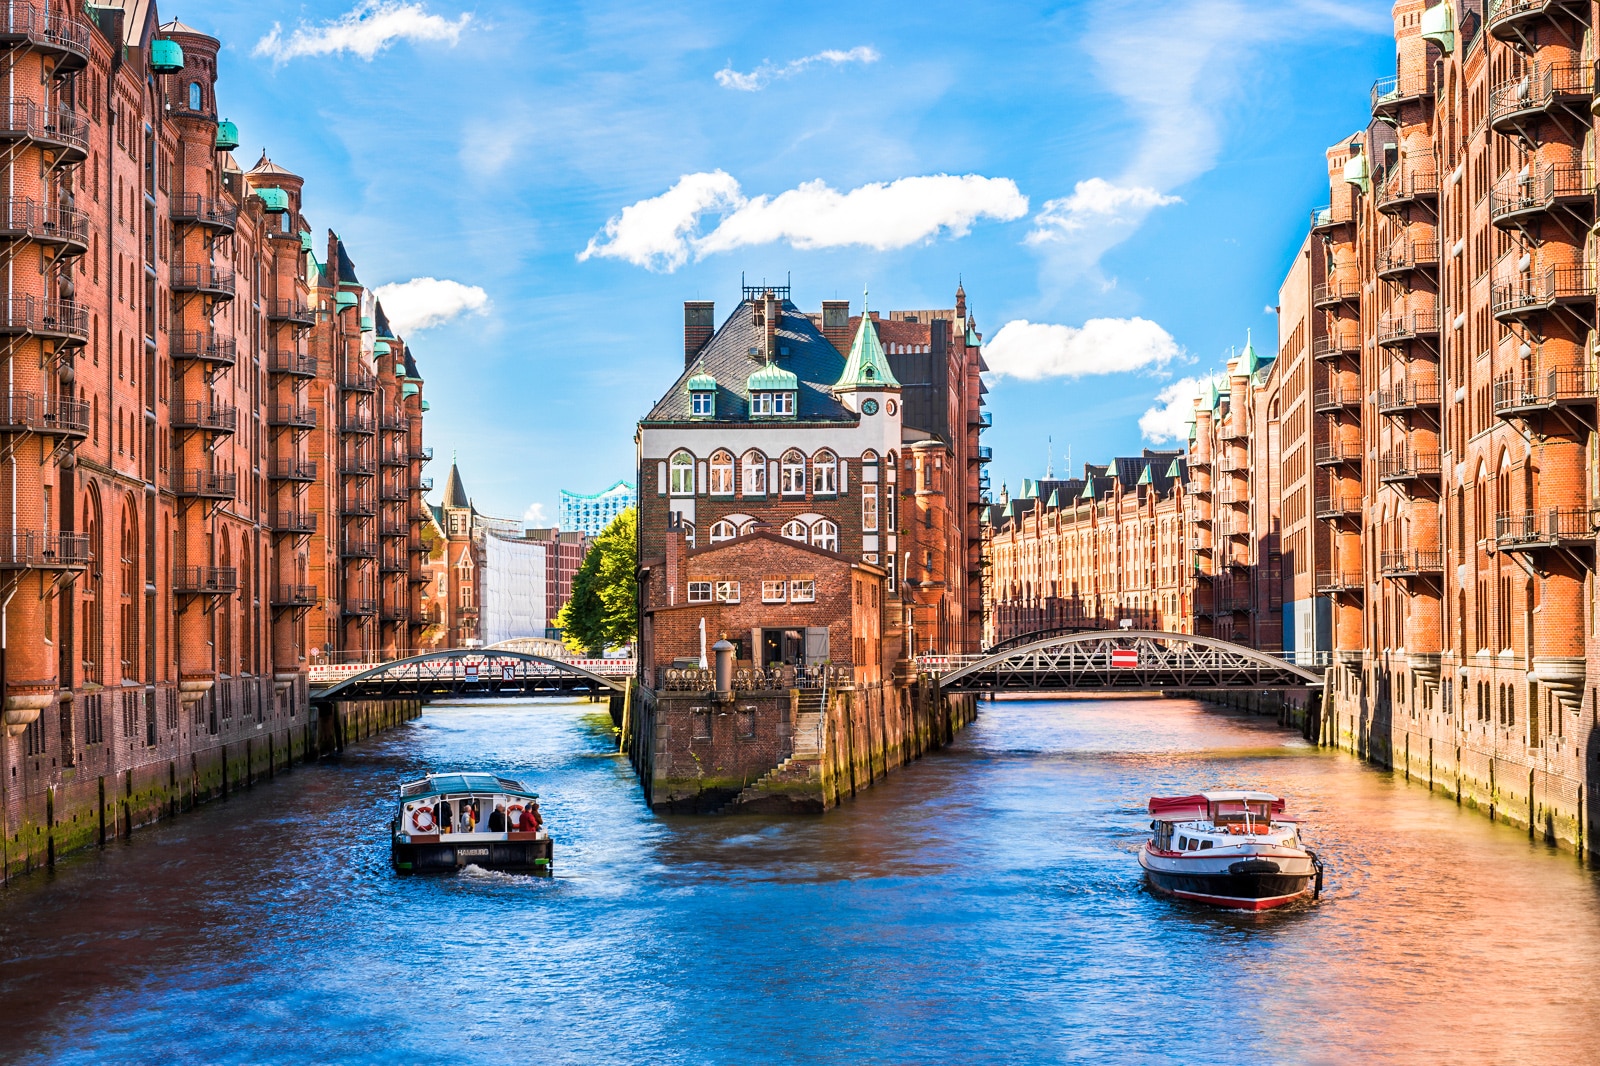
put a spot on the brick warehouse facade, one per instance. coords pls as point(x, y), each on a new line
point(1415, 477)
point(856, 437)
point(156, 567)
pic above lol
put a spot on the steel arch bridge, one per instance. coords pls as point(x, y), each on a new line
point(469, 673)
point(1129, 660)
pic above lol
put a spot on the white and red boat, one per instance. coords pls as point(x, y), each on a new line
point(1228, 849)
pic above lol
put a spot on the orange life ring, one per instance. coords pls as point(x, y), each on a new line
point(422, 820)
point(512, 813)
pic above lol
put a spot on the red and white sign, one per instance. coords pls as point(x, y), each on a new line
point(471, 671)
point(1125, 658)
point(506, 671)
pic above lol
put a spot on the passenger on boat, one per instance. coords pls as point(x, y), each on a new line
point(441, 815)
point(497, 819)
point(464, 820)
point(528, 822)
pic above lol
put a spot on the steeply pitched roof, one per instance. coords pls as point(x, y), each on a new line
point(867, 366)
point(802, 350)
point(454, 494)
point(266, 166)
point(347, 267)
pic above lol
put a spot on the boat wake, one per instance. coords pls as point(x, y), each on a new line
point(498, 877)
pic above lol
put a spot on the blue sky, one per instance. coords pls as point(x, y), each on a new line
point(1120, 185)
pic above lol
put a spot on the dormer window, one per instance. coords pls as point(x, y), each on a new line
point(702, 404)
point(772, 404)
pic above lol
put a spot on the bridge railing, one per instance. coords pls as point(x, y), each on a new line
point(324, 674)
point(944, 664)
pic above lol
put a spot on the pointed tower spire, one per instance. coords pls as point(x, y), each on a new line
point(867, 367)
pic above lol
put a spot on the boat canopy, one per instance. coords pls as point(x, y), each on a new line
point(454, 783)
point(1208, 805)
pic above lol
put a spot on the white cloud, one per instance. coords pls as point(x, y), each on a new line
point(769, 72)
point(365, 30)
point(423, 303)
point(1168, 420)
point(661, 233)
point(1036, 350)
point(1095, 202)
point(534, 516)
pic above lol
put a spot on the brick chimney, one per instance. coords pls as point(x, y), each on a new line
point(772, 311)
point(699, 323)
point(836, 323)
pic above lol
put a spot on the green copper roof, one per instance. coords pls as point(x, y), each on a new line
point(1173, 470)
point(1088, 489)
point(1211, 396)
point(227, 136)
point(1357, 174)
point(424, 405)
point(972, 337)
point(1193, 432)
point(305, 242)
point(772, 378)
point(345, 299)
point(702, 382)
point(867, 367)
point(410, 388)
point(381, 348)
point(399, 370)
point(1439, 24)
point(276, 200)
point(366, 323)
point(166, 57)
point(1146, 478)
point(1055, 498)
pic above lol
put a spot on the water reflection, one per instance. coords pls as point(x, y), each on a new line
point(984, 904)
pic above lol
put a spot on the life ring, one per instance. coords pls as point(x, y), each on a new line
point(422, 820)
point(513, 812)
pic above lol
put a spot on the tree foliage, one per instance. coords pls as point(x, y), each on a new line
point(603, 610)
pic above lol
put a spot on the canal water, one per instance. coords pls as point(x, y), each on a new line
point(983, 905)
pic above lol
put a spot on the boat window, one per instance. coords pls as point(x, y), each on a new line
point(1183, 842)
point(1205, 845)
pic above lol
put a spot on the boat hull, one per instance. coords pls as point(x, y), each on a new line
point(443, 855)
point(1245, 883)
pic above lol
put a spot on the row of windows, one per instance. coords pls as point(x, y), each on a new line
point(826, 473)
point(773, 590)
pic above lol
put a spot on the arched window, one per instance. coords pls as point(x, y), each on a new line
point(688, 534)
point(825, 535)
point(721, 473)
point(94, 595)
point(196, 98)
point(794, 529)
point(225, 620)
point(753, 478)
point(792, 473)
point(682, 469)
point(723, 530)
point(131, 586)
point(825, 473)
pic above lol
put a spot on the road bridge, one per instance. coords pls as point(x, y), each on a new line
point(470, 673)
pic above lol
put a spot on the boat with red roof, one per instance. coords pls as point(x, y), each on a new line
point(1231, 849)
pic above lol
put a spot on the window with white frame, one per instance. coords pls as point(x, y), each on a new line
point(727, 592)
point(783, 403)
point(869, 508)
point(794, 529)
point(682, 481)
point(723, 530)
point(702, 404)
point(688, 534)
point(773, 590)
point(825, 535)
point(802, 590)
point(721, 473)
point(753, 477)
point(699, 592)
point(792, 473)
point(825, 473)
point(761, 403)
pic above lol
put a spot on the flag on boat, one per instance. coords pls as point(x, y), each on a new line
point(1125, 658)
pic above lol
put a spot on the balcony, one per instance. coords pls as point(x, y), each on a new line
point(55, 129)
point(1332, 453)
point(1408, 396)
point(357, 466)
point(1390, 94)
point(425, 484)
point(358, 506)
point(1557, 527)
point(1514, 105)
point(1338, 507)
point(394, 612)
point(394, 457)
point(416, 547)
point(1408, 466)
point(37, 317)
point(27, 412)
point(1404, 257)
point(57, 31)
point(205, 484)
point(425, 454)
point(44, 551)
point(359, 608)
point(1406, 186)
point(390, 526)
point(203, 278)
point(291, 310)
point(298, 523)
point(293, 470)
point(390, 422)
point(291, 416)
point(357, 424)
point(291, 364)
point(65, 227)
point(1335, 399)
point(1233, 463)
point(357, 548)
point(417, 577)
point(205, 415)
point(204, 347)
point(1516, 200)
point(205, 581)
point(1512, 20)
point(207, 212)
point(1395, 330)
point(1329, 216)
point(1571, 288)
point(394, 493)
point(1334, 581)
point(358, 381)
point(1537, 393)
point(1410, 562)
point(1334, 293)
point(984, 453)
point(1334, 345)
point(393, 563)
point(295, 596)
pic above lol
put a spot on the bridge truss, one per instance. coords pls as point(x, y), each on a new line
point(1130, 660)
point(470, 673)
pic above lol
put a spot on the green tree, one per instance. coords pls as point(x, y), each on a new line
point(605, 591)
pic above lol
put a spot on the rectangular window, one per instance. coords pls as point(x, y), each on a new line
point(702, 723)
point(699, 592)
point(773, 591)
point(783, 403)
point(747, 722)
point(701, 403)
point(802, 590)
point(727, 592)
point(869, 509)
point(761, 403)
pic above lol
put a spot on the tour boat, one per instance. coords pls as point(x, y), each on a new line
point(467, 818)
point(1228, 849)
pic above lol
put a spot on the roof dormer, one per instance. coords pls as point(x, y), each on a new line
point(702, 390)
point(774, 393)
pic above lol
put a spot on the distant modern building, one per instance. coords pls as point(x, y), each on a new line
point(591, 514)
